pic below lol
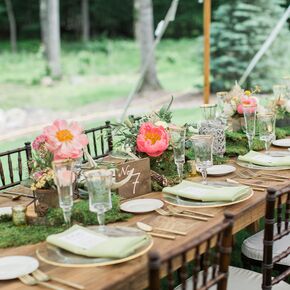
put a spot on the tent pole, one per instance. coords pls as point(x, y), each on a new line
point(206, 33)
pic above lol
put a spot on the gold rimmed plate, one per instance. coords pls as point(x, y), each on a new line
point(59, 257)
point(260, 167)
point(185, 202)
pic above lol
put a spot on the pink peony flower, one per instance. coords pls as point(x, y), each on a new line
point(65, 140)
point(152, 140)
point(250, 101)
point(38, 141)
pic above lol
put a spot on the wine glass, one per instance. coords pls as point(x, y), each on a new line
point(209, 111)
point(177, 138)
point(99, 184)
point(250, 112)
point(203, 145)
point(266, 127)
point(64, 177)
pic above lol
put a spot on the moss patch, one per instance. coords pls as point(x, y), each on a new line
point(14, 236)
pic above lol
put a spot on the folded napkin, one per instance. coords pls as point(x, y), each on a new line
point(203, 192)
point(86, 242)
point(264, 159)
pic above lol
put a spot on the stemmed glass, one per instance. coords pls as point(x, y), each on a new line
point(266, 126)
point(203, 145)
point(177, 138)
point(250, 112)
point(64, 177)
point(208, 111)
point(99, 184)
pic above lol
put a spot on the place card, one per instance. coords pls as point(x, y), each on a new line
point(6, 210)
point(83, 239)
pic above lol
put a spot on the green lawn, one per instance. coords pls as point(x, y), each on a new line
point(101, 70)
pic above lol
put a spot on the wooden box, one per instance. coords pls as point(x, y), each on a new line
point(140, 182)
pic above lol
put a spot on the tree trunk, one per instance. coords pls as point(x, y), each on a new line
point(85, 21)
point(43, 14)
point(53, 39)
point(144, 31)
point(12, 25)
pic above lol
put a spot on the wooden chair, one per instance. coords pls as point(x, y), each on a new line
point(271, 236)
point(100, 140)
point(14, 166)
point(276, 237)
point(215, 262)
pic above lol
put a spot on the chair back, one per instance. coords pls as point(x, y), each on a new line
point(275, 198)
point(210, 252)
point(100, 140)
point(14, 166)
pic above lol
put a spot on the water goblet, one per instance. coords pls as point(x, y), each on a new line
point(209, 111)
point(203, 147)
point(177, 139)
point(266, 128)
point(64, 177)
point(99, 183)
point(250, 112)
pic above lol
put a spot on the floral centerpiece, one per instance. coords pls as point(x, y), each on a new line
point(234, 101)
point(61, 140)
point(148, 136)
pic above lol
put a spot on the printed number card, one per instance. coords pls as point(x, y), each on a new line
point(140, 182)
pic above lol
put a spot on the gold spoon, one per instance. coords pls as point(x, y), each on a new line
point(148, 228)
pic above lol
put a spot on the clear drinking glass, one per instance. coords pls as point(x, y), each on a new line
point(266, 128)
point(250, 112)
point(208, 111)
point(222, 99)
point(99, 183)
point(64, 177)
point(280, 91)
point(177, 139)
point(203, 145)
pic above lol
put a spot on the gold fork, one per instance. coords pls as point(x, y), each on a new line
point(171, 213)
point(43, 277)
point(183, 210)
point(29, 280)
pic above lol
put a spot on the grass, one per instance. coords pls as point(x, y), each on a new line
point(101, 70)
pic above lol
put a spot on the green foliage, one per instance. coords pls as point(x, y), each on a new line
point(13, 236)
point(239, 29)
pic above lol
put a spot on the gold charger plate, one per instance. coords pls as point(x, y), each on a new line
point(184, 202)
point(58, 257)
point(260, 167)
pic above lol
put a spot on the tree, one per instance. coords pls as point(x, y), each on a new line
point(12, 25)
point(239, 30)
point(85, 21)
point(43, 14)
point(53, 38)
point(143, 15)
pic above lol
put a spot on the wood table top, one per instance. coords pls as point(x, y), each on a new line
point(133, 274)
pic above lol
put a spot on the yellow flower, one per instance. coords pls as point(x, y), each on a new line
point(248, 93)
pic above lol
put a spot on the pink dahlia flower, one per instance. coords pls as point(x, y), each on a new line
point(38, 141)
point(246, 101)
point(152, 140)
point(65, 140)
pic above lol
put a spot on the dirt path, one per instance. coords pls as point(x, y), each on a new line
point(20, 122)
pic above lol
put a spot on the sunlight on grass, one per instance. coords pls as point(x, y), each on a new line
point(98, 71)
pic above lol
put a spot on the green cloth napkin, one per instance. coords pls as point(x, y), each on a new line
point(86, 242)
point(203, 192)
point(264, 159)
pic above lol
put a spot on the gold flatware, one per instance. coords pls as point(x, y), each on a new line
point(12, 197)
point(280, 176)
point(247, 183)
point(43, 277)
point(148, 228)
point(181, 210)
point(17, 193)
point(171, 213)
point(239, 182)
point(29, 280)
point(251, 174)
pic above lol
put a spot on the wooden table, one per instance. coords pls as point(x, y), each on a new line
point(133, 274)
